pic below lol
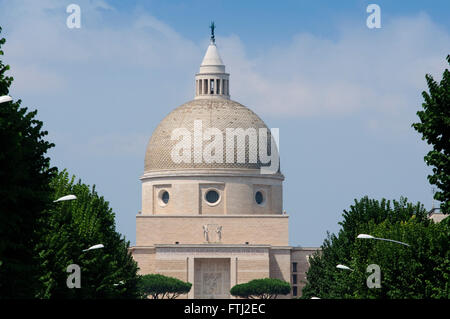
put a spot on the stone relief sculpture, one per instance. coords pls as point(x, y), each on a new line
point(212, 284)
point(219, 232)
point(205, 232)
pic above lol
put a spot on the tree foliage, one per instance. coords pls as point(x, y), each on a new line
point(159, 286)
point(419, 271)
point(265, 288)
point(25, 175)
point(434, 126)
point(72, 226)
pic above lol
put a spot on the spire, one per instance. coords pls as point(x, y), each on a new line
point(212, 62)
point(211, 80)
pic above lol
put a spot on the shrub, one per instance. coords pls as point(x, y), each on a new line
point(266, 288)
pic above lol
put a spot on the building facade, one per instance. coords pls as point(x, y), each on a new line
point(212, 195)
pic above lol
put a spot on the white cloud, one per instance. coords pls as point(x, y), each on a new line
point(36, 79)
point(105, 86)
point(363, 69)
point(377, 70)
point(114, 144)
point(102, 145)
point(38, 39)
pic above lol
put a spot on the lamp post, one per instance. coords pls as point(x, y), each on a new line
point(366, 236)
point(5, 98)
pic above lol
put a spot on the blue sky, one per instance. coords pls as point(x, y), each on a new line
point(343, 96)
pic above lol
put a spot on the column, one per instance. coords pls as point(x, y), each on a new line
point(206, 86)
point(190, 270)
point(233, 273)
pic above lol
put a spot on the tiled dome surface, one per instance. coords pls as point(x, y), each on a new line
point(216, 113)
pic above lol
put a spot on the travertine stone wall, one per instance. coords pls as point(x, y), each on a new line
point(261, 230)
point(280, 262)
point(237, 193)
point(244, 263)
point(145, 258)
point(301, 257)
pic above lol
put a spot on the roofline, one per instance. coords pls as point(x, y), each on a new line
point(216, 172)
point(215, 216)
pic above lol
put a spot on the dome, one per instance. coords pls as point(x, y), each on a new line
point(213, 113)
point(216, 132)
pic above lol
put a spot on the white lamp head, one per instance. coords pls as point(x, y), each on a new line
point(365, 236)
point(315, 298)
point(5, 98)
point(64, 198)
point(343, 267)
point(95, 247)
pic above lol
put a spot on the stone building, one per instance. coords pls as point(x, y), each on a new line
point(208, 216)
point(436, 215)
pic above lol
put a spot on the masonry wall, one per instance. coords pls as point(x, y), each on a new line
point(261, 230)
point(249, 268)
point(301, 257)
point(237, 195)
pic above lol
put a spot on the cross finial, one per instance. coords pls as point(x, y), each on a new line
point(212, 26)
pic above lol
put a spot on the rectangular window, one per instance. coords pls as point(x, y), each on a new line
point(294, 267)
point(294, 291)
point(294, 279)
point(218, 86)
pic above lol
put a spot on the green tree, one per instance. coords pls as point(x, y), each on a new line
point(265, 288)
point(418, 271)
point(159, 286)
point(421, 270)
point(25, 175)
point(72, 226)
point(434, 126)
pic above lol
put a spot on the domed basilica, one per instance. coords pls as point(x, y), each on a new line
point(212, 208)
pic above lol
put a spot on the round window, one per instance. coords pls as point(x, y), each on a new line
point(259, 197)
point(164, 197)
point(212, 196)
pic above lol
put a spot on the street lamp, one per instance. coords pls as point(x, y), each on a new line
point(365, 236)
point(64, 198)
point(120, 283)
point(343, 267)
point(94, 247)
point(315, 298)
point(5, 98)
